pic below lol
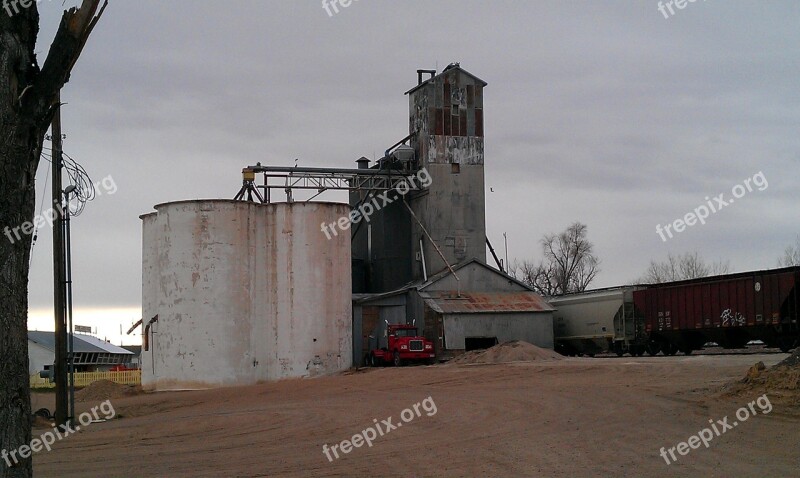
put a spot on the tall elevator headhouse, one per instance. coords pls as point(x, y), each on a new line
point(446, 140)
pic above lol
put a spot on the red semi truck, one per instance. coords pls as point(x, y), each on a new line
point(403, 345)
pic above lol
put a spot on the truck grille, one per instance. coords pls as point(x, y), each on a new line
point(416, 345)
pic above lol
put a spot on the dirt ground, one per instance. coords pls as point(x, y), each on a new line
point(577, 417)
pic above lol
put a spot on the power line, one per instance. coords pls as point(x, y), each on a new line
point(84, 188)
point(77, 176)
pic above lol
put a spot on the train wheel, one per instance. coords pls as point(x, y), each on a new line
point(687, 350)
point(564, 350)
point(653, 348)
point(672, 349)
point(786, 344)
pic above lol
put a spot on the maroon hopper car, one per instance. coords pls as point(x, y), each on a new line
point(730, 310)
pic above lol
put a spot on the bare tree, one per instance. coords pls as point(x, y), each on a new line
point(681, 267)
point(791, 256)
point(569, 263)
point(28, 100)
point(537, 275)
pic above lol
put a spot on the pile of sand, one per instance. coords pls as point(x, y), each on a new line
point(516, 351)
point(792, 360)
point(781, 383)
point(104, 390)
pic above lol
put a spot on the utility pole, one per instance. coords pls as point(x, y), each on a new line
point(59, 274)
point(68, 294)
point(505, 240)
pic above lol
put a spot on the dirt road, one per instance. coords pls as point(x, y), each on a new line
point(572, 418)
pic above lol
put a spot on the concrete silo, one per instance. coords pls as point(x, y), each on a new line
point(243, 292)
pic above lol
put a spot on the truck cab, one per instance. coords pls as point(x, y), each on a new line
point(403, 345)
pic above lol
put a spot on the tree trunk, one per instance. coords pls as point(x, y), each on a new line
point(17, 198)
point(27, 101)
point(19, 157)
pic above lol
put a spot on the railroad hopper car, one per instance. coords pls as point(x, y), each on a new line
point(602, 320)
point(730, 310)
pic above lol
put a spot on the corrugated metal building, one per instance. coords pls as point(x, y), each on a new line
point(91, 353)
point(481, 319)
point(492, 308)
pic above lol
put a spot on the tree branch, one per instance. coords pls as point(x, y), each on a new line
point(76, 26)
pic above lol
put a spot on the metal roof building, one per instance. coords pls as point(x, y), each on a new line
point(492, 307)
point(91, 353)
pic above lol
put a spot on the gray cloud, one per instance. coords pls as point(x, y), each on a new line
point(602, 112)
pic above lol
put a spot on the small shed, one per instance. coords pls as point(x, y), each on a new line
point(478, 320)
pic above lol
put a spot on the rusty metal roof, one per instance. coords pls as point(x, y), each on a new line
point(485, 302)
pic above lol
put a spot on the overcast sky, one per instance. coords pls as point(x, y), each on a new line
point(606, 113)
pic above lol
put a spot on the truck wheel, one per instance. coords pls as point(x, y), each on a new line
point(396, 360)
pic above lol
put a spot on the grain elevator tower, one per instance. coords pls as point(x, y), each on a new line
point(446, 141)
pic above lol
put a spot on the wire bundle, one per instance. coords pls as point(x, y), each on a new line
point(76, 176)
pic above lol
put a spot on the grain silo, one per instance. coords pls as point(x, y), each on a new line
point(238, 292)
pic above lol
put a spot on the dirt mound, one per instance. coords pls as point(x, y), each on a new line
point(104, 390)
point(792, 360)
point(781, 382)
point(516, 351)
point(41, 422)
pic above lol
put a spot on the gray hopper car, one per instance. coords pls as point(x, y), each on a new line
point(603, 320)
